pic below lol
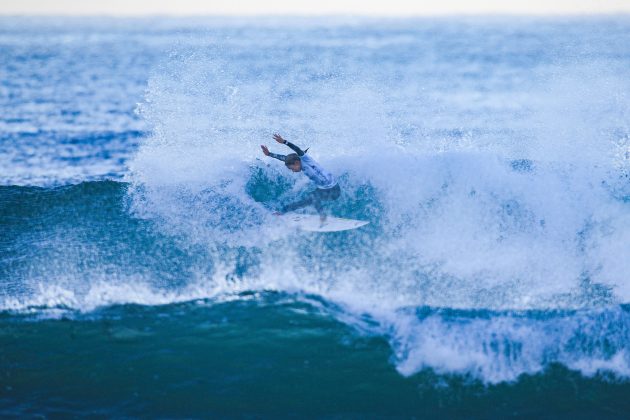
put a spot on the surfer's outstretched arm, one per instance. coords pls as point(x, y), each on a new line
point(293, 147)
point(266, 152)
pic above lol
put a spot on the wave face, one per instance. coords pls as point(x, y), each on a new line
point(491, 159)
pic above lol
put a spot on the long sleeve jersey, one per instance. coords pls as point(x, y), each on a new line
point(322, 178)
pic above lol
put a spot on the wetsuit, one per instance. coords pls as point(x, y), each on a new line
point(327, 186)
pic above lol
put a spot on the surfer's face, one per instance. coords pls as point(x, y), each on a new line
point(296, 167)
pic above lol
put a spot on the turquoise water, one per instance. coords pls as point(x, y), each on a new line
point(142, 273)
point(268, 354)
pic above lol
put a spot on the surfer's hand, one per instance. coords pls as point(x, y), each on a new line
point(279, 138)
point(265, 150)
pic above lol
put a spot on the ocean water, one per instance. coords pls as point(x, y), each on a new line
point(143, 275)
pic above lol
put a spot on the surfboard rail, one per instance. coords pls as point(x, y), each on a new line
point(312, 223)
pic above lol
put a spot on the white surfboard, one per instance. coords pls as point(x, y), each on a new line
point(312, 223)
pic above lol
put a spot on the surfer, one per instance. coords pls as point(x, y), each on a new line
point(327, 186)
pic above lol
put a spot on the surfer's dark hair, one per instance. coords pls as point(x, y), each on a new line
point(290, 159)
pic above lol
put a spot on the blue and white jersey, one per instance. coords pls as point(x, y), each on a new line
point(322, 178)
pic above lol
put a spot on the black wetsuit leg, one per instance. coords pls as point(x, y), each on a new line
point(315, 199)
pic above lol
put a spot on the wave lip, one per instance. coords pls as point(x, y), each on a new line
point(486, 346)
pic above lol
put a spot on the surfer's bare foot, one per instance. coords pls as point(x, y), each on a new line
point(322, 218)
point(277, 213)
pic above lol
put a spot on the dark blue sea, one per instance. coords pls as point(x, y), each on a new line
point(143, 275)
